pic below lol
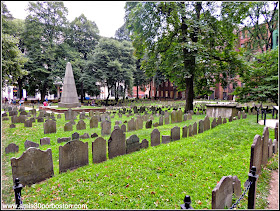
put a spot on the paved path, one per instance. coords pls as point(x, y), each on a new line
point(273, 198)
point(269, 123)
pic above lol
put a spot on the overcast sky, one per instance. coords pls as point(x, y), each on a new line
point(108, 15)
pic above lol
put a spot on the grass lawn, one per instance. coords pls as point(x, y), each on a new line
point(153, 178)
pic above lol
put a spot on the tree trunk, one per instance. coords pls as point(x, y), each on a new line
point(20, 94)
point(189, 94)
point(43, 92)
point(82, 92)
point(150, 90)
point(137, 96)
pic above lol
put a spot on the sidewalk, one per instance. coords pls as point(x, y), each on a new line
point(273, 197)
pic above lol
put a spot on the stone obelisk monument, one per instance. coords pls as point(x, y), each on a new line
point(69, 97)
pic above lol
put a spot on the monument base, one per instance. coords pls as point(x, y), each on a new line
point(69, 105)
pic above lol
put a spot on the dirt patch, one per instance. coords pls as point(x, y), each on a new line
point(273, 198)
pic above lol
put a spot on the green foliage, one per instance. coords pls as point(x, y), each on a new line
point(261, 79)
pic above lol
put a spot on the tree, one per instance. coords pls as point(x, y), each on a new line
point(122, 33)
point(139, 77)
point(45, 31)
point(13, 59)
point(261, 81)
point(181, 36)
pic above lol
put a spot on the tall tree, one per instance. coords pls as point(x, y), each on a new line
point(45, 31)
point(139, 76)
point(182, 35)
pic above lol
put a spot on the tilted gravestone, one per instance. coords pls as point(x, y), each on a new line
point(200, 126)
point(33, 166)
point(155, 137)
point(222, 193)
point(72, 155)
point(175, 133)
point(132, 144)
point(256, 154)
point(144, 144)
point(45, 141)
point(185, 132)
point(190, 130)
point(149, 124)
point(81, 125)
point(214, 123)
point(206, 123)
point(265, 137)
point(194, 128)
point(28, 144)
point(99, 150)
point(63, 139)
point(84, 136)
point(116, 144)
point(11, 148)
point(105, 128)
point(68, 127)
point(166, 118)
point(165, 139)
point(236, 186)
point(173, 117)
point(49, 127)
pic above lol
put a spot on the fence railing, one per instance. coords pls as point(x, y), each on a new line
point(17, 188)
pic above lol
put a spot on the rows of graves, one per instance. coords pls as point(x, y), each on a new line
point(30, 169)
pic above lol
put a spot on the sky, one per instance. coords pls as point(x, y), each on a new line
point(108, 15)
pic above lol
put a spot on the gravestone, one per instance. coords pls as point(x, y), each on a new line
point(166, 118)
point(175, 133)
point(33, 166)
point(40, 119)
point(123, 128)
point(131, 126)
point(15, 119)
point(81, 125)
point(155, 124)
point(59, 116)
point(139, 123)
point(94, 122)
point(244, 116)
point(69, 114)
point(160, 123)
point(116, 144)
point(75, 136)
point(68, 127)
point(4, 114)
point(69, 96)
point(276, 131)
point(265, 137)
point(45, 141)
point(132, 144)
point(82, 115)
point(28, 144)
point(179, 115)
point(22, 118)
point(105, 128)
point(63, 139)
point(190, 130)
point(23, 113)
point(219, 121)
point(200, 126)
point(275, 146)
point(117, 127)
point(222, 193)
point(28, 123)
point(49, 127)
point(13, 113)
point(144, 144)
point(185, 132)
point(238, 115)
point(236, 185)
point(224, 120)
point(72, 155)
point(194, 129)
point(149, 124)
point(12, 126)
point(84, 136)
point(173, 117)
point(230, 119)
point(214, 123)
point(256, 154)
point(185, 117)
point(165, 139)
point(99, 150)
point(155, 137)
point(11, 148)
point(270, 150)
point(94, 135)
point(206, 123)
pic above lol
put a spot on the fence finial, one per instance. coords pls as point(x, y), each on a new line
point(187, 205)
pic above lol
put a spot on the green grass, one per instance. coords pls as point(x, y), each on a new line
point(153, 178)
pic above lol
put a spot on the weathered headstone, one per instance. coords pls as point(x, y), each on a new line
point(206, 123)
point(219, 121)
point(45, 141)
point(82, 115)
point(166, 118)
point(173, 117)
point(12, 126)
point(28, 144)
point(236, 186)
point(222, 193)
point(63, 139)
point(275, 146)
point(165, 139)
point(132, 144)
point(238, 115)
point(131, 125)
point(105, 128)
point(270, 150)
point(190, 130)
point(94, 135)
point(81, 125)
point(72, 155)
point(149, 124)
point(230, 119)
point(59, 116)
point(214, 123)
point(33, 166)
point(84, 136)
point(68, 127)
point(75, 136)
point(276, 131)
point(40, 119)
point(256, 153)
point(144, 144)
point(265, 137)
point(200, 126)
point(179, 115)
point(185, 132)
point(116, 144)
point(49, 127)
point(28, 123)
point(155, 137)
point(175, 133)
point(11, 148)
point(123, 128)
point(224, 120)
point(99, 150)
point(194, 128)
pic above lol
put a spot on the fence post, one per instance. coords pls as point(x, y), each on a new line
point(264, 116)
point(252, 190)
point(187, 205)
point(17, 188)
point(257, 115)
